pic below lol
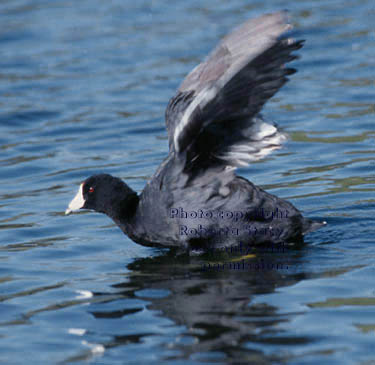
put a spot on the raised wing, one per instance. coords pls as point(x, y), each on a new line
point(214, 115)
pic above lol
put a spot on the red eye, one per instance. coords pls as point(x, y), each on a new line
point(91, 190)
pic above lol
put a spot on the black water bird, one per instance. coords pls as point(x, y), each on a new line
point(195, 201)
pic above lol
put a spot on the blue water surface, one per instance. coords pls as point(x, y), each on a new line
point(83, 89)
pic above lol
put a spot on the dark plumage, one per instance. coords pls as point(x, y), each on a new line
point(195, 200)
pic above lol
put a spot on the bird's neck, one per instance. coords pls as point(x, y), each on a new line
point(122, 206)
point(124, 209)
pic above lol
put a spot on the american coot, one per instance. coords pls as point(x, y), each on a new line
point(195, 200)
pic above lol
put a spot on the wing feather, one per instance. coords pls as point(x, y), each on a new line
point(215, 113)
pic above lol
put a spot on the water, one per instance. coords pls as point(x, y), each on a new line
point(83, 88)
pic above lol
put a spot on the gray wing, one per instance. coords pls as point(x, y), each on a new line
point(215, 111)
